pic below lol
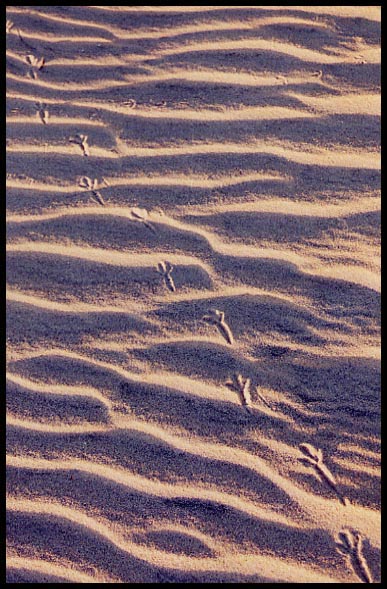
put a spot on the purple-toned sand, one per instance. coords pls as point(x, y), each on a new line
point(193, 294)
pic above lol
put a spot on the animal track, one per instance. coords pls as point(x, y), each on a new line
point(317, 75)
point(43, 112)
point(263, 399)
point(351, 544)
point(141, 215)
point(314, 457)
point(217, 318)
point(242, 387)
point(81, 140)
point(283, 78)
point(165, 269)
point(92, 185)
point(8, 26)
point(131, 103)
point(36, 65)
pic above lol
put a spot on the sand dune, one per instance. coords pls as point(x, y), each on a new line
point(193, 294)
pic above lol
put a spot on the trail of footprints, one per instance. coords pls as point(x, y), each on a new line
point(350, 542)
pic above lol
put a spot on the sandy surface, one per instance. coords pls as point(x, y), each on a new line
point(193, 294)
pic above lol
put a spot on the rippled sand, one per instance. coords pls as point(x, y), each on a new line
point(193, 294)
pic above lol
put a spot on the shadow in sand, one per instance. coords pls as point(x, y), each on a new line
point(69, 278)
point(288, 228)
point(28, 323)
point(22, 402)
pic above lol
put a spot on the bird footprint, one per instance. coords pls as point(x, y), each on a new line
point(36, 65)
point(351, 544)
point(165, 269)
point(81, 140)
point(217, 318)
point(314, 457)
point(242, 387)
point(92, 186)
point(43, 112)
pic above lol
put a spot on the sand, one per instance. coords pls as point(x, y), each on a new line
point(193, 294)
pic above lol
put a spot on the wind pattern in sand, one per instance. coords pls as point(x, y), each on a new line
point(193, 294)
